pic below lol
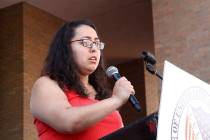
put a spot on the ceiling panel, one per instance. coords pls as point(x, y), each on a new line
point(68, 9)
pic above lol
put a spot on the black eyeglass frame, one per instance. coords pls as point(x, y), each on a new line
point(100, 45)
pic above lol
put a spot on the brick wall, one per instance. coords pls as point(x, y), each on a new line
point(11, 73)
point(182, 32)
point(26, 32)
point(39, 29)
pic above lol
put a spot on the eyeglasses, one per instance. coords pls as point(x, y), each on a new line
point(89, 44)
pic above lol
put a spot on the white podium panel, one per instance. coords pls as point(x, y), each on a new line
point(184, 112)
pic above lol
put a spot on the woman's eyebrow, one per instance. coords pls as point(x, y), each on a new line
point(88, 37)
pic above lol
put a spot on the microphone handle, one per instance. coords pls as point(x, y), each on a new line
point(135, 103)
point(116, 76)
point(132, 98)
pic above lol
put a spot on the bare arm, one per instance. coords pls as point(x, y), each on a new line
point(50, 105)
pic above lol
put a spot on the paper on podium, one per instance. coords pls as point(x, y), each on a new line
point(184, 112)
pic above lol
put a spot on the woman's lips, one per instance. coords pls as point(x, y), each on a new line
point(93, 59)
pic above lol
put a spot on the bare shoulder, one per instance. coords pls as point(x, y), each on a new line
point(44, 81)
point(46, 94)
point(44, 86)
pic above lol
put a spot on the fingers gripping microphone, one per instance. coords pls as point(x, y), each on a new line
point(113, 72)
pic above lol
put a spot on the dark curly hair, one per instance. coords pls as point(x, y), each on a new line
point(60, 66)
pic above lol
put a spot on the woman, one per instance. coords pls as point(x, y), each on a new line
point(70, 99)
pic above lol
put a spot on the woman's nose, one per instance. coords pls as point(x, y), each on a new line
point(93, 48)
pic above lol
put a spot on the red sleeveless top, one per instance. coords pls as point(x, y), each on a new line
point(104, 127)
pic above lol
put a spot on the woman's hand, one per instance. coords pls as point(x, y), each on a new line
point(122, 90)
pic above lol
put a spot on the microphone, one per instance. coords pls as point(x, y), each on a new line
point(113, 72)
point(148, 57)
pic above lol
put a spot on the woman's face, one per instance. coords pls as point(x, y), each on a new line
point(87, 59)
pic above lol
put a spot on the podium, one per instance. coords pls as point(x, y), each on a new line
point(142, 129)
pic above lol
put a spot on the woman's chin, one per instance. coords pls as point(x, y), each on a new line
point(89, 70)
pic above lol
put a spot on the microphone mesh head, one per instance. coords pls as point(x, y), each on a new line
point(111, 70)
